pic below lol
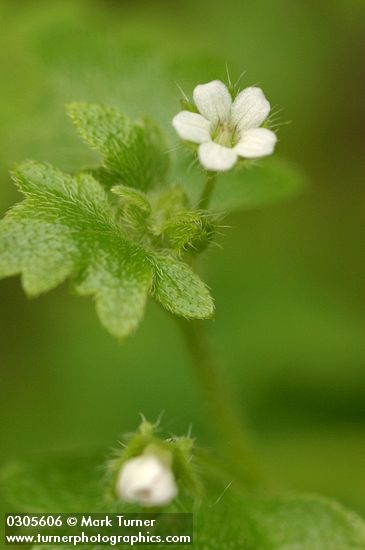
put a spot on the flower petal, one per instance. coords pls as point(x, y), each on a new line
point(213, 100)
point(249, 109)
point(215, 157)
point(191, 126)
point(255, 143)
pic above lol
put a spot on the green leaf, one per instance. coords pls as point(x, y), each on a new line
point(51, 482)
point(286, 522)
point(272, 179)
point(133, 154)
point(227, 521)
point(66, 227)
point(246, 187)
point(180, 290)
point(308, 522)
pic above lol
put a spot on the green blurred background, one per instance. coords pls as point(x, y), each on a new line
point(289, 329)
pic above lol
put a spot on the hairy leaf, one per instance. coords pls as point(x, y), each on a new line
point(180, 290)
point(68, 227)
point(133, 154)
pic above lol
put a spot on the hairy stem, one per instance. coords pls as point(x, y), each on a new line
point(208, 190)
point(221, 407)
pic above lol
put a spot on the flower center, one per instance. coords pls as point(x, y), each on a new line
point(224, 134)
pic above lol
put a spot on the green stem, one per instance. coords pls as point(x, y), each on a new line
point(208, 190)
point(222, 409)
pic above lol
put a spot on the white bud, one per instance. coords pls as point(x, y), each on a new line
point(147, 481)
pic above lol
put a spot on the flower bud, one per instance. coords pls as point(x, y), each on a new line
point(147, 481)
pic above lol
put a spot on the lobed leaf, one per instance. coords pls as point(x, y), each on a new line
point(133, 154)
point(68, 227)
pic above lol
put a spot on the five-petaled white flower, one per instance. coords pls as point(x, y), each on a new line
point(147, 481)
point(226, 130)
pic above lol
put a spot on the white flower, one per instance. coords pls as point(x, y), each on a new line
point(226, 130)
point(147, 481)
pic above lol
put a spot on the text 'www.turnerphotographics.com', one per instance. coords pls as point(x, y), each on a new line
point(104, 529)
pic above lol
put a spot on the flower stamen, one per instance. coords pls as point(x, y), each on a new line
point(225, 134)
